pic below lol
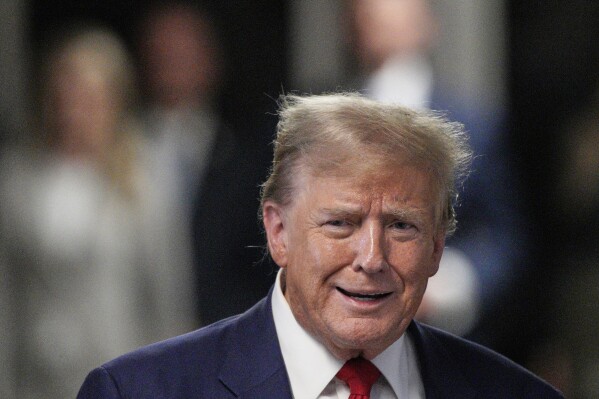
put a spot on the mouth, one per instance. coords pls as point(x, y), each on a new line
point(362, 296)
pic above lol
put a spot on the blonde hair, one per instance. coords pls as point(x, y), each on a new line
point(345, 124)
point(98, 49)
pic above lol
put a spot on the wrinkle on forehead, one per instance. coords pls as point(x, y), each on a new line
point(366, 180)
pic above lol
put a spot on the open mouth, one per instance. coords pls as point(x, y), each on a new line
point(363, 297)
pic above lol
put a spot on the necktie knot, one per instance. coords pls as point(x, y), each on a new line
point(360, 374)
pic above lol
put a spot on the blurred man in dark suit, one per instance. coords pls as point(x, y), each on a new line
point(206, 175)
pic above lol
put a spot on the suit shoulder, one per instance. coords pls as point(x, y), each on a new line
point(170, 368)
point(203, 342)
point(486, 370)
point(189, 365)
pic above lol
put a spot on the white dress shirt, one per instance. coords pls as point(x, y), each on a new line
point(406, 80)
point(312, 368)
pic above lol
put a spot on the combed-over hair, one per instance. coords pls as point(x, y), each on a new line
point(321, 131)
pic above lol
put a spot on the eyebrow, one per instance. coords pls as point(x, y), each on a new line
point(342, 211)
point(410, 214)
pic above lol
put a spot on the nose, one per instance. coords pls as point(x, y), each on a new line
point(370, 248)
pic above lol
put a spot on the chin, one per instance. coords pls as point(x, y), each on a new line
point(366, 335)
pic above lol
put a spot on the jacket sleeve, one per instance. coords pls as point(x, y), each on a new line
point(99, 385)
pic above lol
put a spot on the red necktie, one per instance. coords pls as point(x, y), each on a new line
point(360, 375)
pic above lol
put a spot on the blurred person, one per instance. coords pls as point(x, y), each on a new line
point(205, 175)
point(569, 353)
point(578, 179)
point(356, 210)
point(392, 42)
point(78, 284)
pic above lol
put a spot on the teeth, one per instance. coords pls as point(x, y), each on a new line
point(363, 297)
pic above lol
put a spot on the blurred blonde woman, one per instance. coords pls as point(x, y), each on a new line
point(86, 95)
point(80, 286)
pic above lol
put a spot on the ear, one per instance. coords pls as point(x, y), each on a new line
point(438, 246)
point(276, 234)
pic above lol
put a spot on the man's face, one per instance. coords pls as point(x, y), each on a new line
point(179, 59)
point(358, 249)
point(387, 28)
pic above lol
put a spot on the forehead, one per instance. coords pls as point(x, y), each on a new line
point(352, 181)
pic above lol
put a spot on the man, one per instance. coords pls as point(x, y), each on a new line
point(356, 211)
point(201, 171)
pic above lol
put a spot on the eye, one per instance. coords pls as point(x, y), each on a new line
point(338, 228)
point(401, 226)
point(337, 223)
point(402, 230)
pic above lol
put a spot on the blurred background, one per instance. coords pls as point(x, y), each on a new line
point(134, 136)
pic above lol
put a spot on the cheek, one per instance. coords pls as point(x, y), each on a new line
point(333, 252)
point(325, 256)
point(311, 267)
point(412, 263)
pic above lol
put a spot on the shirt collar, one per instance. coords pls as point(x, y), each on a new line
point(300, 349)
point(394, 364)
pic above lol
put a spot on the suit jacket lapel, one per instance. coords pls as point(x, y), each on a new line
point(440, 375)
point(254, 366)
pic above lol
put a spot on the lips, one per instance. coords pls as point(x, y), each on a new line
point(359, 296)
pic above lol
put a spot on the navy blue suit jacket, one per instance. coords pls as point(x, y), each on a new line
point(240, 358)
